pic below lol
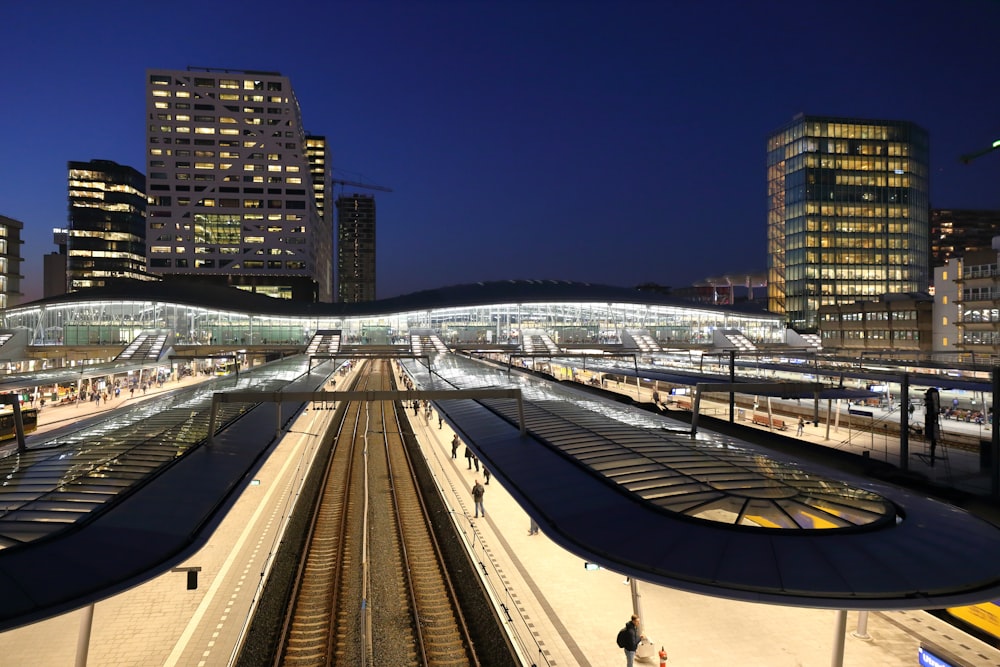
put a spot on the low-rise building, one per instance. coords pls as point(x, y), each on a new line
point(896, 325)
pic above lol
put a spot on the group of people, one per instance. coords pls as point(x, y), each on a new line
point(478, 488)
point(631, 636)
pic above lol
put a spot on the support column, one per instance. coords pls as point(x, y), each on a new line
point(904, 423)
point(995, 443)
point(83, 638)
point(732, 380)
point(839, 633)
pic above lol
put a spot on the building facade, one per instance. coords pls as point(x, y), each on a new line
point(946, 310)
point(500, 313)
point(232, 197)
point(848, 212)
point(897, 326)
point(106, 237)
point(955, 232)
point(355, 248)
point(54, 265)
point(10, 262)
point(970, 294)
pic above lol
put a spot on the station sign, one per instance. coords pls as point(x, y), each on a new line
point(926, 658)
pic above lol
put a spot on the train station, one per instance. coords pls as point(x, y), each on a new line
point(129, 499)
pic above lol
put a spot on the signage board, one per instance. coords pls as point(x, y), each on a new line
point(860, 413)
point(928, 659)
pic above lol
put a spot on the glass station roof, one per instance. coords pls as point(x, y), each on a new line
point(54, 485)
point(726, 484)
point(711, 478)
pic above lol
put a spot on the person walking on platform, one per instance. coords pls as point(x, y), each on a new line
point(486, 474)
point(533, 526)
point(475, 462)
point(629, 638)
point(469, 457)
point(477, 498)
point(802, 425)
point(454, 446)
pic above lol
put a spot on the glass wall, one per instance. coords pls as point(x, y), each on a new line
point(118, 322)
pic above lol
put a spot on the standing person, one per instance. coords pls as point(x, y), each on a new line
point(629, 638)
point(475, 462)
point(454, 446)
point(468, 457)
point(477, 498)
point(802, 425)
point(533, 526)
point(486, 473)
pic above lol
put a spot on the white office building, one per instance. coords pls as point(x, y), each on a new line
point(232, 199)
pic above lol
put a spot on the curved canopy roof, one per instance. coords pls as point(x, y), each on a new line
point(455, 296)
point(712, 514)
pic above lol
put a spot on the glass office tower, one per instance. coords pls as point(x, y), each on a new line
point(106, 238)
point(848, 213)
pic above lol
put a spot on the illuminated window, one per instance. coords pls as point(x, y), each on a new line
point(944, 299)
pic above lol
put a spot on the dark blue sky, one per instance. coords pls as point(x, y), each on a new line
point(606, 142)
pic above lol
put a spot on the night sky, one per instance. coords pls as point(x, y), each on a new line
point(606, 142)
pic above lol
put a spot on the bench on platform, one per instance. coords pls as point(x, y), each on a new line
point(761, 420)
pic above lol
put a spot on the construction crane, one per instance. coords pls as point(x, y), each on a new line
point(364, 186)
point(966, 159)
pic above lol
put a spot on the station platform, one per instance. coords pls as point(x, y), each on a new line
point(566, 614)
point(561, 612)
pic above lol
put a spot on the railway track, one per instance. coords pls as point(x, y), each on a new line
point(371, 586)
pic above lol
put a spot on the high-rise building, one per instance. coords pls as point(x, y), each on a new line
point(848, 213)
point(319, 173)
point(106, 237)
point(54, 265)
point(355, 248)
point(10, 262)
point(232, 197)
point(957, 232)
